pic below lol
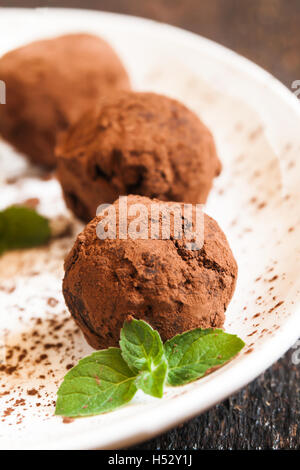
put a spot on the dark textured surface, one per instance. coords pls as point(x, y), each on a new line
point(266, 31)
point(264, 415)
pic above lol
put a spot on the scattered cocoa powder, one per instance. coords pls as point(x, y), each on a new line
point(67, 420)
point(52, 302)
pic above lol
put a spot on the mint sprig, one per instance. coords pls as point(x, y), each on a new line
point(152, 383)
point(99, 383)
point(109, 378)
point(141, 346)
point(143, 350)
point(191, 354)
point(22, 227)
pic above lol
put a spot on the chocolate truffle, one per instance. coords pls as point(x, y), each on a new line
point(161, 281)
point(49, 84)
point(136, 143)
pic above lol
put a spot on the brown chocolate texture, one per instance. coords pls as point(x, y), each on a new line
point(136, 143)
point(49, 84)
point(158, 280)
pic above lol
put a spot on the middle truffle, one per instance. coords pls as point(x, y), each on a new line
point(136, 143)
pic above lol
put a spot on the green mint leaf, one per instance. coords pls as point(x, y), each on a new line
point(21, 227)
point(141, 346)
point(193, 353)
point(152, 383)
point(100, 382)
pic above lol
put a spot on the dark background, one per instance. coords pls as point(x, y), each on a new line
point(264, 415)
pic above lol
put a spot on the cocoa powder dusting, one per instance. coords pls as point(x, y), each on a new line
point(60, 66)
point(26, 359)
point(161, 281)
point(132, 143)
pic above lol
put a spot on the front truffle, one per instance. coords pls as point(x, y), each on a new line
point(161, 281)
point(49, 84)
point(136, 143)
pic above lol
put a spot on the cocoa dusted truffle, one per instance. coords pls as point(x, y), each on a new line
point(162, 281)
point(49, 84)
point(136, 143)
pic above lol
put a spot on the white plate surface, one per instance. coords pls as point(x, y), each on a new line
point(255, 121)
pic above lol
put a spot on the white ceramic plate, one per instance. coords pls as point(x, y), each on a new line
point(255, 121)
